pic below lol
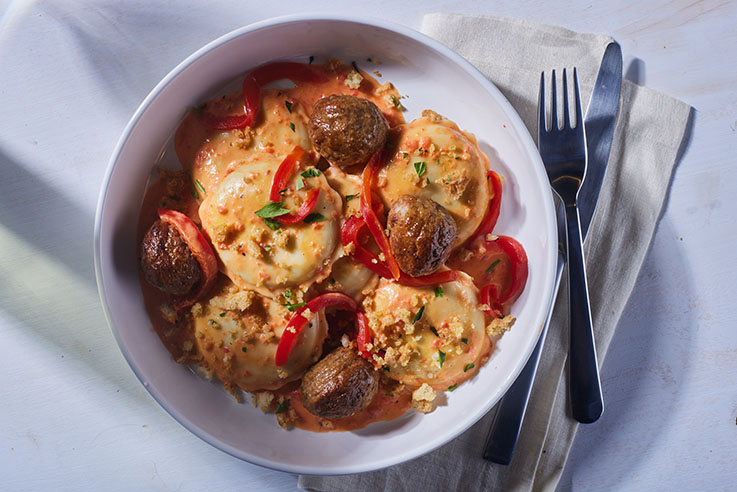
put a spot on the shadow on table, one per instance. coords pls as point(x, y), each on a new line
point(48, 281)
point(635, 374)
point(130, 49)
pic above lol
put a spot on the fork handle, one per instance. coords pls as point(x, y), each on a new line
point(587, 402)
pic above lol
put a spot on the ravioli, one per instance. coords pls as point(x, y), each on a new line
point(402, 320)
point(237, 333)
point(435, 159)
point(255, 256)
point(211, 155)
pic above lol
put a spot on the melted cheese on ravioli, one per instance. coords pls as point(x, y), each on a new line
point(211, 155)
point(435, 159)
point(255, 256)
point(237, 333)
point(414, 353)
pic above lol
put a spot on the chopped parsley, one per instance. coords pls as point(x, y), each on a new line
point(273, 224)
point(493, 265)
point(311, 173)
point(267, 248)
point(176, 198)
point(348, 198)
point(396, 102)
point(386, 368)
point(405, 155)
point(418, 315)
point(441, 357)
point(468, 367)
point(451, 388)
point(314, 217)
point(434, 331)
point(288, 104)
point(222, 315)
point(283, 406)
point(464, 340)
point(282, 192)
point(272, 209)
point(194, 191)
point(331, 281)
point(200, 187)
point(438, 291)
point(291, 125)
point(420, 168)
point(287, 293)
point(244, 349)
point(290, 307)
point(300, 183)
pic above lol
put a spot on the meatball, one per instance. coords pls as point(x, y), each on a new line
point(340, 385)
point(167, 262)
point(347, 130)
point(421, 234)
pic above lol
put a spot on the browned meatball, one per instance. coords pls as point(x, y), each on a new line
point(421, 233)
point(340, 385)
point(167, 262)
point(347, 130)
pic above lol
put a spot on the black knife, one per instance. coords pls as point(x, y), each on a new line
point(600, 121)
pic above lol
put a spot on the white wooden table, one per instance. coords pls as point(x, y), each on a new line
point(73, 416)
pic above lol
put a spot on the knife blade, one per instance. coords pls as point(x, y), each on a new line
point(600, 121)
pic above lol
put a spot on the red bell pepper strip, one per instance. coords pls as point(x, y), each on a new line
point(519, 269)
point(251, 107)
point(285, 171)
point(296, 72)
point(349, 234)
point(488, 297)
point(251, 99)
point(214, 122)
point(252, 83)
point(364, 335)
point(304, 209)
point(492, 213)
point(280, 182)
point(518, 272)
point(369, 216)
point(201, 250)
point(297, 322)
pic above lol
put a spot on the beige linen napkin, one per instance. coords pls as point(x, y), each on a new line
point(649, 134)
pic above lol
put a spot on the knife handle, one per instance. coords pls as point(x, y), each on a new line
point(587, 402)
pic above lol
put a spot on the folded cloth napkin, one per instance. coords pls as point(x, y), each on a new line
point(649, 134)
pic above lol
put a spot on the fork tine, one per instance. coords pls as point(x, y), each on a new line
point(566, 112)
point(554, 106)
point(542, 125)
point(579, 117)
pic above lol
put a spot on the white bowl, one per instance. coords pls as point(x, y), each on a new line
point(433, 77)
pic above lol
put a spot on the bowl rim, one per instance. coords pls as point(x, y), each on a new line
point(548, 272)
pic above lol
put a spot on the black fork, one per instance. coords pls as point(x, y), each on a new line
point(563, 151)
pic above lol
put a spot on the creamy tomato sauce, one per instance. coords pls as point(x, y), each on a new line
point(422, 339)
